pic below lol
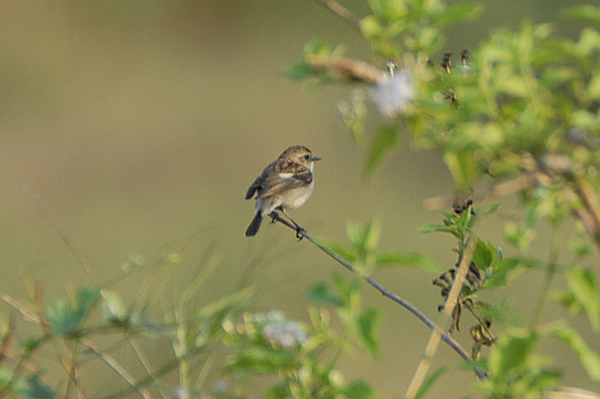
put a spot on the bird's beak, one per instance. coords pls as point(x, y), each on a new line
point(316, 158)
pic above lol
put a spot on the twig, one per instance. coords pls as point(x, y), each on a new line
point(142, 359)
point(562, 165)
point(347, 68)
point(45, 211)
point(590, 198)
point(165, 369)
point(113, 364)
point(27, 314)
point(446, 315)
point(551, 267)
point(387, 293)
point(342, 12)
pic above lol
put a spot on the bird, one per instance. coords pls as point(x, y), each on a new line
point(285, 184)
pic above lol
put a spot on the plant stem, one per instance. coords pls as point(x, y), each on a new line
point(342, 12)
point(446, 315)
point(538, 311)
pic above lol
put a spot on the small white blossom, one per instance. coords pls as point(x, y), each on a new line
point(286, 334)
point(465, 68)
point(393, 93)
point(221, 386)
point(181, 393)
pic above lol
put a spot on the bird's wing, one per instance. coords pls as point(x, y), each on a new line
point(285, 176)
point(259, 184)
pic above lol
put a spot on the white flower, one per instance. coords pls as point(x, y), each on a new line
point(393, 93)
point(286, 334)
point(181, 393)
point(221, 386)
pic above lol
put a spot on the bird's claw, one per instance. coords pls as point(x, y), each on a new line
point(300, 232)
point(274, 217)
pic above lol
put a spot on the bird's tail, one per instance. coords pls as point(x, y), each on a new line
point(254, 224)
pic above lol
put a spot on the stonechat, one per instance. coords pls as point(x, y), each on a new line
point(285, 184)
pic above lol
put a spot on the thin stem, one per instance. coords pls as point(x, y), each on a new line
point(143, 360)
point(387, 293)
point(538, 311)
point(114, 364)
point(45, 211)
point(165, 369)
point(445, 317)
point(342, 12)
point(70, 367)
point(592, 203)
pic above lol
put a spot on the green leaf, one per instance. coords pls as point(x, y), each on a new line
point(429, 381)
point(360, 390)
point(584, 119)
point(222, 305)
point(33, 387)
point(511, 351)
point(277, 391)
point(370, 27)
point(347, 289)
point(363, 240)
point(491, 208)
point(367, 323)
point(520, 236)
point(430, 228)
point(371, 236)
point(320, 293)
point(463, 167)
point(62, 320)
point(87, 298)
point(556, 75)
point(316, 47)
point(333, 247)
point(484, 255)
point(588, 358)
point(263, 360)
point(413, 259)
point(300, 71)
point(112, 308)
point(385, 139)
point(29, 345)
point(586, 13)
point(593, 89)
point(388, 10)
point(589, 42)
point(458, 12)
point(584, 289)
point(506, 270)
point(65, 318)
point(354, 234)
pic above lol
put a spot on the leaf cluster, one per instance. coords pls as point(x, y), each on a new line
point(522, 111)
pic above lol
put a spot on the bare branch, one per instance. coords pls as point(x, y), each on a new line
point(113, 364)
point(342, 12)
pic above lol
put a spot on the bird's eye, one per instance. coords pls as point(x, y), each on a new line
point(307, 157)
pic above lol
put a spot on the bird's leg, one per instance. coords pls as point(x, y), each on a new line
point(299, 229)
point(274, 216)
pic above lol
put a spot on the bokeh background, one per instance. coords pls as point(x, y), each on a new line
point(128, 125)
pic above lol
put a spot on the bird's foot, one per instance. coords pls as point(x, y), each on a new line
point(274, 216)
point(300, 233)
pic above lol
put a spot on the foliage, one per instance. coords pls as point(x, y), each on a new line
point(91, 327)
point(215, 347)
point(522, 111)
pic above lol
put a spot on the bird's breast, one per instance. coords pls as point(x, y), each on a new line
point(296, 197)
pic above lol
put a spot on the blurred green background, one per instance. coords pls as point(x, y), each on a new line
point(125, 125)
